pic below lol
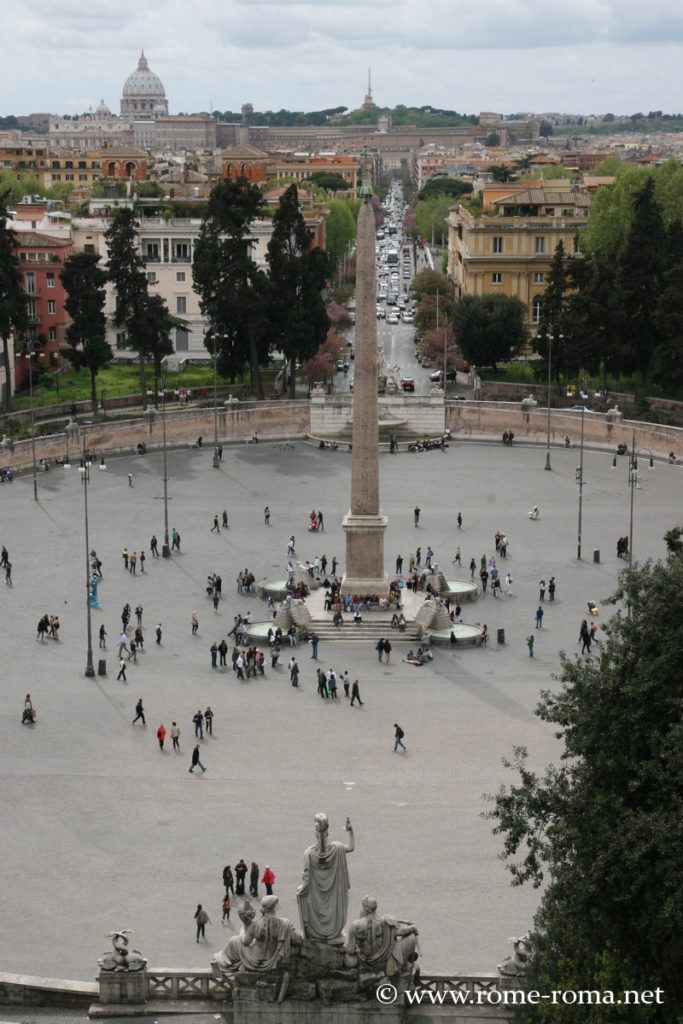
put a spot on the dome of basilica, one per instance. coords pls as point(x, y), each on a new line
point(143, 92)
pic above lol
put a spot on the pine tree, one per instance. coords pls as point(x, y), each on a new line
point(603, 831)
point(127, 273)
point(84, 281)
point(298, 274)
point(231, 288)
point(13, 315)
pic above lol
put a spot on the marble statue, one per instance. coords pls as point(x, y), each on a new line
point(120, 958)
point(381, 945)
point(514, 965)
point(262, 945)
point(323, 894)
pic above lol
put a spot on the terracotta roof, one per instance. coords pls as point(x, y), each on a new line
point(31, 239)
point(244, 153)
point(545, 197)
point(120, 151)
point(595, 181)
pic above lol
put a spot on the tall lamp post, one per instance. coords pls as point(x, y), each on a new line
point(579, 473)
point(84, 470)
point(633, 482)
point(30, 349)
point(550, 338)
point(219, 333)
point(166, 547)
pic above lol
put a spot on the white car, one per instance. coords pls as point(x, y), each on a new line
point(407, 318)
point(392, 318)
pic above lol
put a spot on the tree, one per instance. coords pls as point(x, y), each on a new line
point(444, 186)
point(127, 274)
point(545, 129)
point(298, 275)
point(429, 282)
point(340, 230)
point(84, 281)
point(492, 140)
point(640, 277)
point(603, 831)
point(13, 316)
point(431, 216)
point(232, 290)
point(489, 328)
point(668, 356)
point(502, 172)
point(323, 364)
point(153, 327)
point(330, 181)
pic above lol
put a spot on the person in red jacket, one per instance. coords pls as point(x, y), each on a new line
point(268, 880)
point(161, 735)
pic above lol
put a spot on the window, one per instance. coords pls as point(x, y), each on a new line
point(496, 278)
point(539, 278)
point(50, 280)
point(181, 340)
point(151, 277)
point(181, 252)
point(89, 248)
point(69, 177)
point(31, 309)
point(52, 334)
point(30, 283)
point(180, 276)
point(82, 177)
point(497, 243)
point(152, 251)
point(536, 309)
point(51, 307)
point(181, 304)
point(539, 246)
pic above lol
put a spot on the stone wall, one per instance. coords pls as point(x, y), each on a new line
point(413, 415)
point(25, 990)
point(473, 420)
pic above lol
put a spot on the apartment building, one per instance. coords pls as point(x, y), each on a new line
point(509, 252)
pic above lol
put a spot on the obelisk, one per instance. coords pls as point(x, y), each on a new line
point(364, 523)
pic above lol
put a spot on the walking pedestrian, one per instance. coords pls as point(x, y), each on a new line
point(142, 561)
point(208, 721)
point(473, 569)
point(355, 693)
point(161, 735)
point(458, 557)
point(133, 562)
point(228, 880)
point(195, 761)
point(416, 515)
point(484, 577)
point(346, 682)
point(530, 644)
point(460, 520)
point(314, 641)
point(290, 546)
point(585, 637)
point(398, 737)
point(293, 671)
point(130, 479)
point(253, 879)
point(202, 919)
point(508, 583)
point(539, 617)
point(139, 712)
point(153, 546)
point(103, 637)
point(268, 880)
point(428, 559)
point(124, 556)
point(399, 565)
point(215, 528)
point(138, 614)
point(122, 670)
point(213, 649)
point(198, 720)
point(225, 518)
point(379, 647)
point(175, 735)
point(266, 516)
point(541, 590)
point(158, 632)
point(334, 565)
point(8, 574)
point(225, 906)
point(332, 684)
point(320, 521)
point(551, 588)
point(195, 623)
point(387, 652)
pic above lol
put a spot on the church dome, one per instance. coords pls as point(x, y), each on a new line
point(102, 109)
point(143, 92)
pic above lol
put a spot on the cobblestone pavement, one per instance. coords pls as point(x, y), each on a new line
point(101, 830)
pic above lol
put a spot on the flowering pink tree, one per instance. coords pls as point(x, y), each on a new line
point(322, 365)
point(339, 316)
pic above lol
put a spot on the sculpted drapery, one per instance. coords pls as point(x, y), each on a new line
point(324, 893)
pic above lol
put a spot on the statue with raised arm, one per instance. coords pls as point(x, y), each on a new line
point(324, 892)
point(380, 945)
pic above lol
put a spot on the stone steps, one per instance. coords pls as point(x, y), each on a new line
point(368, 632)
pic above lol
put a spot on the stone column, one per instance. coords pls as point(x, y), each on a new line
point(364, 523)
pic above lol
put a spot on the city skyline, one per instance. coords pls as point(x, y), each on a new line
point(312, 55)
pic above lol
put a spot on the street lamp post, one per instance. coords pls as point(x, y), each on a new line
point(633, 483)
point(30, 348)
point(216, 335)
point(166, 547)
point(550, 338)
point(85, 478)
point(580, 477)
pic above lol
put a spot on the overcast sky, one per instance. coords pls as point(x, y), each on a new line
point(578, 56)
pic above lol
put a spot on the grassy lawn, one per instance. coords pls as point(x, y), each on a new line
point(115, 380)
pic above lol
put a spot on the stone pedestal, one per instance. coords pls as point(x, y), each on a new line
point(365, 554)
point(122, 988)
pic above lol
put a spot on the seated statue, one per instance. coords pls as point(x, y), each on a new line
point(380, 945)
point(262, 945)
point(513, 966)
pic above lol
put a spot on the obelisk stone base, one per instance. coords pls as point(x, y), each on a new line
point(365, 555)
